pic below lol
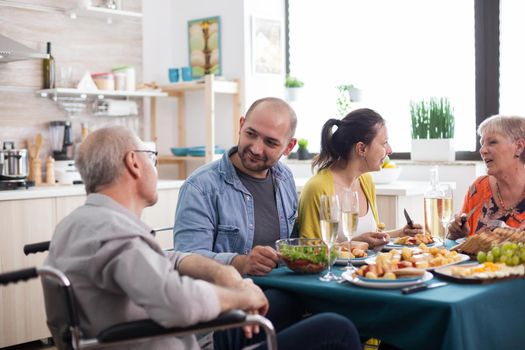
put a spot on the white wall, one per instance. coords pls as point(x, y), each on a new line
point(166, 45)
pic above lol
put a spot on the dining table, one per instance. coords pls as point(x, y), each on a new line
point(458, 316)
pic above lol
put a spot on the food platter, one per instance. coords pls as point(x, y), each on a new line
point(445, 272)
point(356, 261)
point(383, 283)
point(463, 258)
point(391, 245)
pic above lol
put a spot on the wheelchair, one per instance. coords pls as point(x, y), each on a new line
point(65, 328)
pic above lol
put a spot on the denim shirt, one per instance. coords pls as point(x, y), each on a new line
point(215, 212)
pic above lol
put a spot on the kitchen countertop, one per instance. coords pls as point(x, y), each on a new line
point(67, 190)
point(399, 188)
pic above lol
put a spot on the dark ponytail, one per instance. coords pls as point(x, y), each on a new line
point(360, 125)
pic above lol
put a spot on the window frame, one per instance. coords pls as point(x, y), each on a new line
point(487, 53)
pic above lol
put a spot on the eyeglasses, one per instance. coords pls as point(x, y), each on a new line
point(152, 155)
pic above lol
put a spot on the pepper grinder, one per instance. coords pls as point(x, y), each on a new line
point(50, 170)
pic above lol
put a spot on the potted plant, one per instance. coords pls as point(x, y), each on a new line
point(347, 94)
point(302, 151)
point(432, 129)
point(292, 85)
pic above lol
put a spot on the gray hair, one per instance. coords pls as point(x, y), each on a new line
point(100, 158)
point(278, 104)
point(512, 127)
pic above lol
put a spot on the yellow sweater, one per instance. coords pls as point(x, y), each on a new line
point(323, 183)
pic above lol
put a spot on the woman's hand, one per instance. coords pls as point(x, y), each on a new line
point(411, 230)
point(374, 239)
point(455, 230)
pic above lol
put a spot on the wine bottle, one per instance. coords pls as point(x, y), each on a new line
point(49, 70)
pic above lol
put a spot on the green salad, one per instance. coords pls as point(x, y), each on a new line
point(306, 259)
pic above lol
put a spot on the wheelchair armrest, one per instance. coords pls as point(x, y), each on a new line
point(149, 328)
point(18, 275)
point(36, 247)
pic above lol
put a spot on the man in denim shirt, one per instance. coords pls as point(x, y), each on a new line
point(235, 208)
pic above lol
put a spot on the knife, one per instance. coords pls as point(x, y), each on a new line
point(410, 223)
point(466, 217)
point(422, 287)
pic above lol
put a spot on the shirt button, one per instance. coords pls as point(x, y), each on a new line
point(250, 225)
point(248, 198)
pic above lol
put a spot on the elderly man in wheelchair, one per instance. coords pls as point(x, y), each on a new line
point(119, 275)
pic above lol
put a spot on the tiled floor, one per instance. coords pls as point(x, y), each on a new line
point(31, 346)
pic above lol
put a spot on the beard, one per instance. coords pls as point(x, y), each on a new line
point(253, 162)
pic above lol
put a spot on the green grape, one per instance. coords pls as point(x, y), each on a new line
point(508, 252)
point(496, 251)
point(515, 260)
point(507, 246)
point(504, 259)
point(482, 257)
point(490, 257)
point(522, 256)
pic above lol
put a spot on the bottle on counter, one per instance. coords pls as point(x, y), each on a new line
point(50, 170)
point(49, 69)
point(438, 206)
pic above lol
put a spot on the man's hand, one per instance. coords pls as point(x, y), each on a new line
point(227, 276)
point(260, 261)
point(455, 230)
point(374, 239)
point(245, 296)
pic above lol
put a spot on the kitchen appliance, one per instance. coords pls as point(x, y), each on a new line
point(62, 146)
point(11, 50)
point(66, 173)
point(61, 140)
point(13, 167)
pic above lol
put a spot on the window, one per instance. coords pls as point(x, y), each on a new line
point(394, 51)
point(512, 57)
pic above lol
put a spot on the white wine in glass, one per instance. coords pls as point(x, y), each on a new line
point(349, 219)
point(329, 213)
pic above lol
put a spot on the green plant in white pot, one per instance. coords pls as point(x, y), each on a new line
point(292, 85)
point(432, 129)
point(346, 95)
point(302, 151)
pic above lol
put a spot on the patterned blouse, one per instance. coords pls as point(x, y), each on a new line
point(480, 192)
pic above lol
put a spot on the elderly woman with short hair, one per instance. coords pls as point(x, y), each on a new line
point(499, 195)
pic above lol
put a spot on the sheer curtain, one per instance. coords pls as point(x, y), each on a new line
point(394, 51)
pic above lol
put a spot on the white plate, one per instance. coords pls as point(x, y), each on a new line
point(356, 261)
point(463, 257)
point(391, 245)
point(381, 284)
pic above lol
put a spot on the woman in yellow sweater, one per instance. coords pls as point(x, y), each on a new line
point(358, 145)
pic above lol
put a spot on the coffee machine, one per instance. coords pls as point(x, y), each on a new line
point(62, 147)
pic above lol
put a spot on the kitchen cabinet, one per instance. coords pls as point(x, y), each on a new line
point(22, 313)
point(209, 86)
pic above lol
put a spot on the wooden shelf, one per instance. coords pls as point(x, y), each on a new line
point(219, 86)
point(209, 87)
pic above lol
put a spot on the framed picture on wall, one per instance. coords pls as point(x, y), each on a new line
point(204, 41)
point(267, 46)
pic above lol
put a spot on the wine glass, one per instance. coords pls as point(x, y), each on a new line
point(329, 214)
point(349, 219)
point(445, 210)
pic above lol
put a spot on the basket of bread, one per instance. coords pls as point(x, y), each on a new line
point(485, 239)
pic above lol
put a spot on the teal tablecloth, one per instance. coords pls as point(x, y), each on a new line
point(454, 317)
